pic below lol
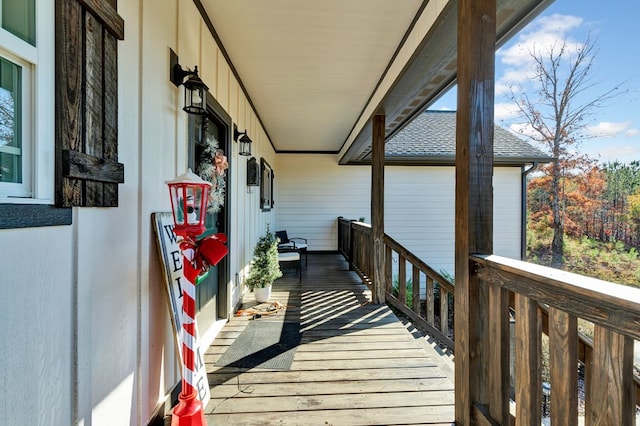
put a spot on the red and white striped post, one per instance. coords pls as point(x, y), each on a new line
point(189, 199)
point(189, 411)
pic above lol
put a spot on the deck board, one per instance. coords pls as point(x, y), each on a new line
point(357, 363)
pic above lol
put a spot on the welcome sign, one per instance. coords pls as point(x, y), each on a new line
point(171, 259)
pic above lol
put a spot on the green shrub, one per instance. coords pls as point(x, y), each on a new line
point(395, 290)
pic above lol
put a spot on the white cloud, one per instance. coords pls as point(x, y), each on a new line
point(511, 77)
point(505, 111)
point(607, 128)
point(624, 153)
point(541, 36)
point(502, 89)
point(524, 129)
point(558, 23)
point(631, 132)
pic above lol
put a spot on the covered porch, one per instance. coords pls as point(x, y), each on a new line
point(445, 43)
point(319, 87)
point(355, 363)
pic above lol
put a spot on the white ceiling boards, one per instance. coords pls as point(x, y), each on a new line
point(316, 71)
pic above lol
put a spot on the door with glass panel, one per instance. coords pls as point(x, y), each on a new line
point(210, 136)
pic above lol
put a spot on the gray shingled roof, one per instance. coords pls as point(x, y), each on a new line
point(431, 139)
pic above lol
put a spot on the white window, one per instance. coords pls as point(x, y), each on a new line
point(27, 101)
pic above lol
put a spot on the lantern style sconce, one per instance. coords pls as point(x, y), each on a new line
point(195, 91)
point(189, 197)
point(243, 139)
point(253, 172)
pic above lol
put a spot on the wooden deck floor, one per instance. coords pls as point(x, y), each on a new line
point(357, 363)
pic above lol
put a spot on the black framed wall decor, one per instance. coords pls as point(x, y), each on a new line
point(266, 185)
point(253, 172)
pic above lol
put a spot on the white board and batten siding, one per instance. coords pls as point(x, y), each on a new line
point(312, 191)
point(420, 212)
point(92, 326)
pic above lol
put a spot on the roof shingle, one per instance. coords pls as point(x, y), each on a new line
point(431, 138)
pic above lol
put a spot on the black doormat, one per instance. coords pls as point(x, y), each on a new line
point(263, 344)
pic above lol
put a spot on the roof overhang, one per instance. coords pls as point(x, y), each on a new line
point(316, 72)
point(448, 160)
point(429, 73)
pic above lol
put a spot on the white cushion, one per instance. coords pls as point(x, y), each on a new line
point(298, 246)
point(288, 256)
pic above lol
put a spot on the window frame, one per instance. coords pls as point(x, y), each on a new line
point(39, 121)
point(38, 106)
point(22, 189)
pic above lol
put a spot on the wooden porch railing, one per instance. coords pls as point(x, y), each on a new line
point(538, 300)
point(431, 304)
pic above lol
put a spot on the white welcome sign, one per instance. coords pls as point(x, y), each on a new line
point(171, 259)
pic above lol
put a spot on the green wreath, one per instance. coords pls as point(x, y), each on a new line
point(212, 168)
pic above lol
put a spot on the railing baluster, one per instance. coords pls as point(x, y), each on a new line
point(415, 303)
point(588, 377)
point(499, 358)
point(388, 271)
point(612, 394)
point(369, 256)
point(402, 279)
point(430, 301)
point(528, 384)
point(563, 356)
point(444, 311)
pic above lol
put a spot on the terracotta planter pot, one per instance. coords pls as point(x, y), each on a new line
point(263, 294)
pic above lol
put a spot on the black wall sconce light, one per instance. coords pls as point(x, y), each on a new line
point(195, 91)
point(253, 172)
point(243, 139)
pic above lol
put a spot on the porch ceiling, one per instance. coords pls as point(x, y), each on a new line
point(317, 71)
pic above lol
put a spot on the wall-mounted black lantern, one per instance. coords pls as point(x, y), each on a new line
point(243, 140)
point(195, 91)
point(253, 172)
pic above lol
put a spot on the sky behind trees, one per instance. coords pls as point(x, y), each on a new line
point(612, 132)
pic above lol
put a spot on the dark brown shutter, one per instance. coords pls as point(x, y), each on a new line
point(87, 168)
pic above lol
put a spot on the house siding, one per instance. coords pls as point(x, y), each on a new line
point(313, 191)
point(86, 333)
point(36, 312)
point(420, 212)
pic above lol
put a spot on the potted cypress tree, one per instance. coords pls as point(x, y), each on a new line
point(265, 268)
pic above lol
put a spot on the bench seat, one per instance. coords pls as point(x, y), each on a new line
point(290, 259)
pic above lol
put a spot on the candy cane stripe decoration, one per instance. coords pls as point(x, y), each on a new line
point(188, 320)
point(189, 194)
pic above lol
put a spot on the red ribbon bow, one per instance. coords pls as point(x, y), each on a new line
point(208, 252)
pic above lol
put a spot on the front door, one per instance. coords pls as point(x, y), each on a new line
point(209, 134)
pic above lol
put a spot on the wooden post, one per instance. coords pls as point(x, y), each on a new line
point(612, 396)
point(474, 200)
point(377, 207)
point(563, 353)
point(528, 384)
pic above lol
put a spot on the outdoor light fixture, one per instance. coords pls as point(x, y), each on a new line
point(243, 139)
point(189, 197)
point(195, 91)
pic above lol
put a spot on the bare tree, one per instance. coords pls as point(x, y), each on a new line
point(558, 115)
point(6, 118)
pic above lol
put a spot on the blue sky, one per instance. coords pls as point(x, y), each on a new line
point(615, 128)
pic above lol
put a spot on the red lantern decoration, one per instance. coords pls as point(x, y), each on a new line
point(189, 197)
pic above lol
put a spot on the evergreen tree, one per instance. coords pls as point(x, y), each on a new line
point(265, 268)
